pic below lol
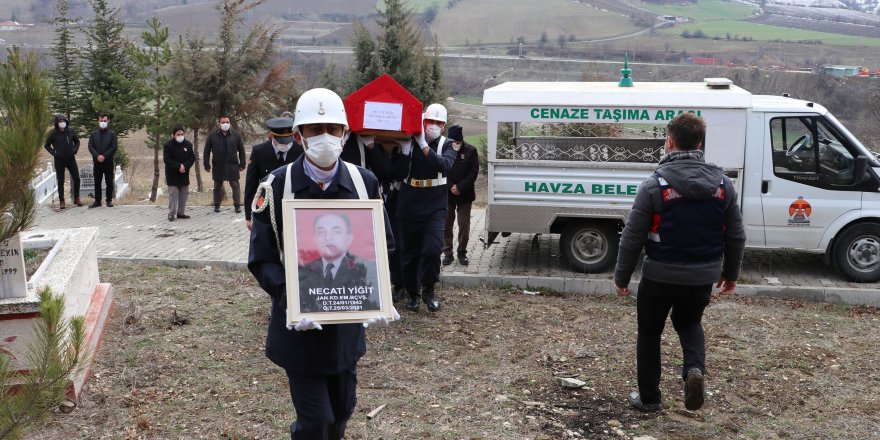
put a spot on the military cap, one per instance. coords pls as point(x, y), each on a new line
point(281, 128)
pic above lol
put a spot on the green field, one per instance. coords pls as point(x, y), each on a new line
point(469, 100)
point(503, 21)
point(415, 5)
point(702, 10)
point(760, 32)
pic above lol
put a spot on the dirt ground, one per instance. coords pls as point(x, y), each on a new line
point(182, 358)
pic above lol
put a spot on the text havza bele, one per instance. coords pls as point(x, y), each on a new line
point(579, 188)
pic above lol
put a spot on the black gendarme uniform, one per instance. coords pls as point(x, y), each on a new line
point(421, 210)
point(264, 159)
point(315, 360)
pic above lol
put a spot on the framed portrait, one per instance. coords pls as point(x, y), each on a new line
point(336, 260)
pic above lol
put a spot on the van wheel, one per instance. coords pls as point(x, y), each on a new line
point(856, 253)
point(589, 247)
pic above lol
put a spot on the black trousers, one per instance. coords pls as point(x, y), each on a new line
point(422, 246)
point(395, 268)
point(653, 303)
point(69, 165)
point(323, 404)
point(104, 170)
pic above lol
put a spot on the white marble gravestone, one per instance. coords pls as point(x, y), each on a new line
point(87, 180)
point(13, 280)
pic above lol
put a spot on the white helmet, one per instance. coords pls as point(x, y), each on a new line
point(320, 106)
point(436, 112)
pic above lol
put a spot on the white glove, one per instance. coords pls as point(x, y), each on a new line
point(381, 321)
point(367, 140)
point(306, 324)
point(421, 139)
point(405, 146)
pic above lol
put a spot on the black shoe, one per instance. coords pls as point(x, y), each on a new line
point(447, 260)
point(694, 389)
point(413, 304)
point(398, 294)
point(636, 401)
point(61, 205)
point(463, 260)
point(237, 209)
point(97, 204)
point(430, 300)
point(216, 208)
point(182, 216)
point(109, 204)
point(170, 217)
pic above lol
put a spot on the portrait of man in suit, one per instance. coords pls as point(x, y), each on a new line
point(337, 280)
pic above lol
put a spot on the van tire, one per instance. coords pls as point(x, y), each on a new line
point(856, 253)
point(589, 247)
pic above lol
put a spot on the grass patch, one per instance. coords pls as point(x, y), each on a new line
point(503, 21)
point(469, 100)
point(761, 32)
point(702, 10)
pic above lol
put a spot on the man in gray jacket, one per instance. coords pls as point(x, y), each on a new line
point(687, 219)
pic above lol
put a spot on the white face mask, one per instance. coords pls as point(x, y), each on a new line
point(225, 126)
point(456, 146)
point(432, 132)
point(102, 124)
point(323, 149)
point(284, 148)
point(62, 125)
point(179, 139)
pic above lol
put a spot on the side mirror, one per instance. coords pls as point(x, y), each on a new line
point(860, 170)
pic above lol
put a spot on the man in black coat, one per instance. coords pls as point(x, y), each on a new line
point(179, 159)
point(224, 143)
point(63, 144)
point(103, 145)
point(279, 150)
point(461, 196)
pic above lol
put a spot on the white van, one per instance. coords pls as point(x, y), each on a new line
point(567, 158)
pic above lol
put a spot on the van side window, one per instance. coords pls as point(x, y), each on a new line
point(807, 150)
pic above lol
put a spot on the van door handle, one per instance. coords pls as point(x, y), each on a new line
point(765, 186)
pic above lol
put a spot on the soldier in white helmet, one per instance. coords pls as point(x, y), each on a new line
point(421, 207)
point(320, 361)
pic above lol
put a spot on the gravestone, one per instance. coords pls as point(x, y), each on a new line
point(13, 280)
point(87, 180)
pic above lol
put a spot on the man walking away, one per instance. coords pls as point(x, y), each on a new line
point(224, 143)
point(63, 144)
point(687, 219)
point(102, 145)
point(461, 195)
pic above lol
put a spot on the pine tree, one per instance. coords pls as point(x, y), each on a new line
point(55, 355)
point(66, 86)
point(24, 104)
point(112, 83)
point(399, 51)
point(153, 58)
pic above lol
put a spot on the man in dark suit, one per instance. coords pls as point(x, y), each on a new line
point(279, 150)
point(336, 269)
point(461, 195)
point(224, 143)
point(103, 145)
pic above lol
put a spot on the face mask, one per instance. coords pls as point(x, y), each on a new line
point(456, 146)
point(225, 126)
point(179, 139)
point(432, 132)
point(102, 124)
point(62, 125)
point(323, 149)
point(284, 148)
